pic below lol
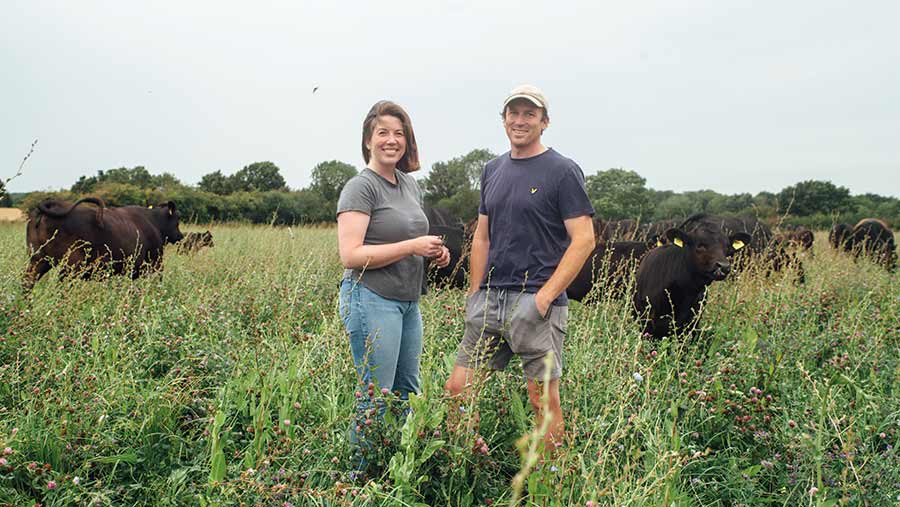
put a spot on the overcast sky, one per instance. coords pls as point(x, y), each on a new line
point(729, 96)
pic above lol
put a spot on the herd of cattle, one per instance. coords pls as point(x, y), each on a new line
point(674, 261)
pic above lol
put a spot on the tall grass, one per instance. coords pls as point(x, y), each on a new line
point(228, 381)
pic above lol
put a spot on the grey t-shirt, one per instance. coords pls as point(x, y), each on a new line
point(395, 214)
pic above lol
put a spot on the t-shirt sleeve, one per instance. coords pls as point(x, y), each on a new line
point(357, 195)
point(420, 198)
point(481, 209)
point(573, 197)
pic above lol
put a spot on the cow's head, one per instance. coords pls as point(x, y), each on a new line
point(708, 249)
point(206, 239)
point(166, 219)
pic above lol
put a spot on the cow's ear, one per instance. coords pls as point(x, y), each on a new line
point(171, 206)
point(740, 240)
point(677, 237)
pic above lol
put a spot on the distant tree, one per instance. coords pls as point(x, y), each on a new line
point(473, 164)
point(444, 180)
point(216, 182)
point(165, 181)
point(329, 178)
point(734, 204)
point(676, 206)
point(618, 193)
point(813, 196)
point(5, 198)
point(463, 204)
point(258, 176)
point(137, 176)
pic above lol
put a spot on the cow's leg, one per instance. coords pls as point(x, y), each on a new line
point(38, 266)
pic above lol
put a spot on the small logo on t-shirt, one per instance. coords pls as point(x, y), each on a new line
point(533, 190)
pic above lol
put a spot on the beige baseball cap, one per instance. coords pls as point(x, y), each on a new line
point(531, 93)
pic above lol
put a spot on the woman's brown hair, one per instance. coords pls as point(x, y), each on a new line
point(410, 160)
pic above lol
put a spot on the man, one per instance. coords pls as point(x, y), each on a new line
point(534, 233)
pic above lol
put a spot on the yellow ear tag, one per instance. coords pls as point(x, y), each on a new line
point(678, 242)
point(658, 242)
point(738, 244)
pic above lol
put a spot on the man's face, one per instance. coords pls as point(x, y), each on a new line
point(524, 122)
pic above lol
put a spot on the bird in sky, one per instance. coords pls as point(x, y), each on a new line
point(315, 88)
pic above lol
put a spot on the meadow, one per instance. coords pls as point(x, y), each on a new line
point(228, 381)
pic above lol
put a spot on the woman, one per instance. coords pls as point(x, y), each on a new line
point(383, 241)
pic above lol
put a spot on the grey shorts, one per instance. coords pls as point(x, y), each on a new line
point(501, 323)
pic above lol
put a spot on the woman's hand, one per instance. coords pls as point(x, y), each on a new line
point(427, 246)
point(443, 260)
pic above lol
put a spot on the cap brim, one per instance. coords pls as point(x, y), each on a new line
point(523, 96)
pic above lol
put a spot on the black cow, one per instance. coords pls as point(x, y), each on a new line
point(441, 216)
point(873, 239)
point(800, 237)
point(85, 238)
point(620, 230)
point(762, 246)
point(839, 235)
point(456, 273)
point(608, 266)
point(672, 279)
point(195, 241)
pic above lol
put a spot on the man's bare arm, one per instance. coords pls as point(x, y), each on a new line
point(478, 258)
point(581, 234)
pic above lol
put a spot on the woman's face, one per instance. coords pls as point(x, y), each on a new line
point(387, 144)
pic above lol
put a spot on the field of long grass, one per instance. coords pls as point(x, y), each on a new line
point(228, 381)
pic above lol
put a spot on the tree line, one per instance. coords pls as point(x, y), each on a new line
point(258, 193)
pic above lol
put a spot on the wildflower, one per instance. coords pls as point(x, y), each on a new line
point(385, 391)
point(554, 468)
point(792, 423)
point(813, 490)
point(76, 480)
point(589, 503)
point(7, 451)
point(462, 409)
point(286, 422)
point(637, 377)
point(297, 403)
point(51, 485)
point(436, 434)
point(766, 463)
point(3, 462)
point(335, 460)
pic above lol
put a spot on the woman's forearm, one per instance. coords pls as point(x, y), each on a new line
point(376, 256)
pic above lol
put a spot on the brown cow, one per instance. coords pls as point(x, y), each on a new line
point(194, 241)
point(800, 237)
point(82, 238)
point(873, 238)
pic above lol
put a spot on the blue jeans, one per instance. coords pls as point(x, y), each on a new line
point(385, 341)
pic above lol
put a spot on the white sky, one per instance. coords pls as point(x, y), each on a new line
point(734, 96)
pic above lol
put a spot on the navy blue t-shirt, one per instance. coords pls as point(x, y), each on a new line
point(526, 201)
